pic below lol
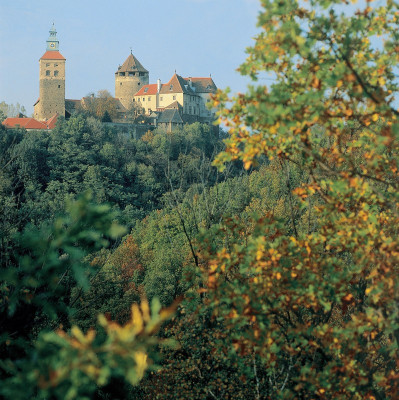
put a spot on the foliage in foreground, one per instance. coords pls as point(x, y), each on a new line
point(39, 357)
point(317, 301)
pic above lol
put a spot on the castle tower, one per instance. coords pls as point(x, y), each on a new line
point(129, 78)
point(51, 81)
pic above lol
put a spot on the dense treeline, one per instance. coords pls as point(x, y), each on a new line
point(40, 171)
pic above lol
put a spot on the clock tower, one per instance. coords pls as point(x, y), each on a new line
point(51, 81)
point(52, 42)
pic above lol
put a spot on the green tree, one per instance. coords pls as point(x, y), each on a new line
point(99, 105)
point(314, 295)
point(41, 354)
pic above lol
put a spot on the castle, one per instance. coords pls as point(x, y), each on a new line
point(170, 105)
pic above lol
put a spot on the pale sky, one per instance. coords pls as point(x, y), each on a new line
point(193, 37)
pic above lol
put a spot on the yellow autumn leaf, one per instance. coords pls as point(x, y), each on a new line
point(137, 318)
point(247, 164)
point(141, 363)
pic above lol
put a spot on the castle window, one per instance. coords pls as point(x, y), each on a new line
point(47, 73)
point(143, 98)
point(47, 64)
point(171, 87)
point(161, 98)
point(121, 74)
point(55, 65)
point(149, 99)
point(138, 83)
point(121, 83)
point(174, 97)
point(55, 73)
point(132, 73)
point(59, 86)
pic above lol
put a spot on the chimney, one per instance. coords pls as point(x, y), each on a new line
point(158, 85)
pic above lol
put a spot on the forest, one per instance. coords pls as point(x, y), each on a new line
point(260, 262)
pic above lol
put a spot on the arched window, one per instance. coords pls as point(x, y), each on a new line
point(47, 73)
point(55, 73)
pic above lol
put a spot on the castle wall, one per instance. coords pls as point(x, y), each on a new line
point(127, 86)
point(168, 98)
point(148, 102)
point(204, 111)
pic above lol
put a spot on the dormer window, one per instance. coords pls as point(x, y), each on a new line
point(146, 90)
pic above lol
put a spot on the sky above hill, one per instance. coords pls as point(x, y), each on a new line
point(193, 37)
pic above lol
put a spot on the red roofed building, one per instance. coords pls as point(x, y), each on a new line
point(183, 100)
point(191, 94)
point(51, 81)
point(30, 123)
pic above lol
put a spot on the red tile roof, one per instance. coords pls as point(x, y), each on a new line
point(151, 89)
point(52, 55)
point(52, 121)
point(30, 123)
point(176, 84)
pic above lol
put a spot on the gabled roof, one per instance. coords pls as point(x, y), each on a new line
point(30, 123)
point(151, 89)
point(27, 123)
point(176, 84)
point(52, 55)
point(203, 85)
point(170, 115)
point(175, 105)
point(131, 64)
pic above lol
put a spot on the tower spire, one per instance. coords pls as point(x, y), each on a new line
point(52, 41)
